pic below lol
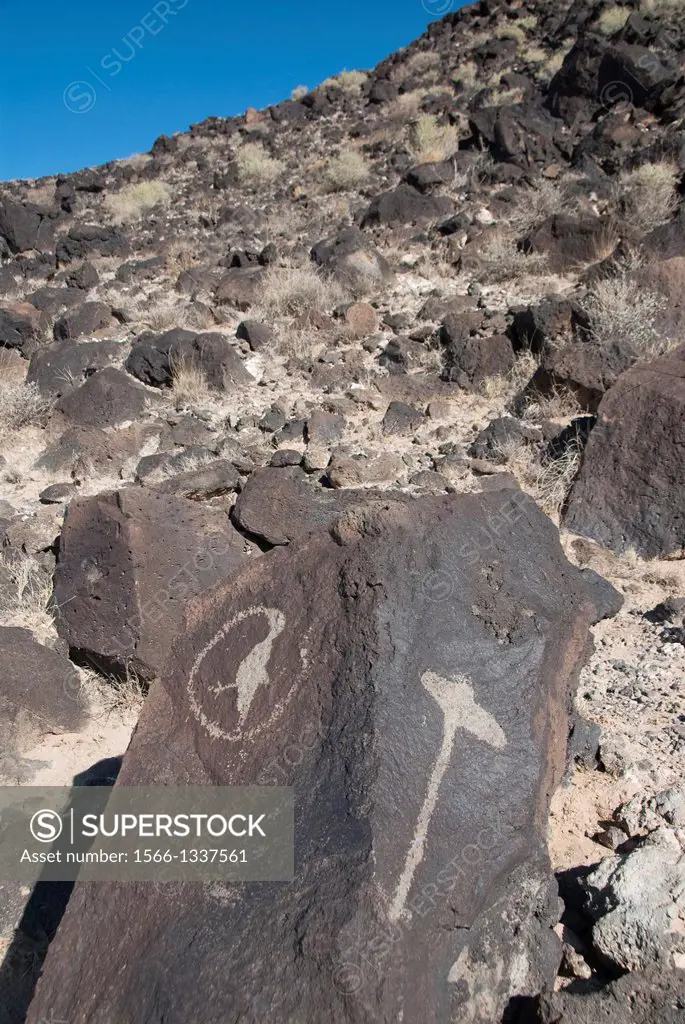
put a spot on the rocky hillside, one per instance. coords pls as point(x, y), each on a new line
point(391, 374)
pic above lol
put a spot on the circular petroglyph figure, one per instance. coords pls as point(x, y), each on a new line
point(252, 673)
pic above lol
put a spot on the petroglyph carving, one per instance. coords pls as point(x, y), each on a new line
point(460, 710)
point(251, 674)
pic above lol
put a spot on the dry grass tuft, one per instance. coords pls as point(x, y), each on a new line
point(561, 403)
point(347, 170)
point(189, 387)
point(503, 388)
point(502, 260)
point(648, 194)
point(548, 484)
point(431, 142)
point(467, 73)
point(29, 604)
point(511, 32)
point(536, 203)
point(299, 92)
point(618, 310)
point(548, 70)
point(293, 291)
point(133, 201)
point(351, 81)
point(612, 20)
point(255, 166)
point(22, 405)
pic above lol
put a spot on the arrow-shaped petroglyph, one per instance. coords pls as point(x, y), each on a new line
point(455, 699)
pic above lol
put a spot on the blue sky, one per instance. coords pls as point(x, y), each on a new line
point(84, 82)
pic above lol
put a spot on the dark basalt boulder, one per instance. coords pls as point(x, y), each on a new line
point(628, 493)
point(129, 561)
point(409, 672)
point(405, 205)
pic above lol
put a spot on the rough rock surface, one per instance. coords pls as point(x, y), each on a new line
point(636, 902)
point(652, 997)
point(628, 493)
point(39, 693)
point(128, 563)
point(423, 663)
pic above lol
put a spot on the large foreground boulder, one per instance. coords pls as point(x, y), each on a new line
point(408, 671)
point(128, 563)
point(629, 490)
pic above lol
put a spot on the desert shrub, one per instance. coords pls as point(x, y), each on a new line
point(467, 73)
point(618, 309)
point(299, 92)
point(534, 55)
point(612, 20)
point(505, 97)
point(28, 603)
point(536, 203)
point(648, 194)
point(255, 166)
point(431, 142)
point(548, 70)
point(133, 201)
point(423, 60)
point(510, 32)
point(502, 260)
point(21, 405)
point(529, 22)
point(347, 170)
point(293, 291)
point(351, 81)
point(189, 385)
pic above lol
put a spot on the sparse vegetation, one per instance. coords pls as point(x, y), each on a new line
point(619, 310)
point(293, 291)
point(534, 55)
point(21, 405)
point(548, 70)
point(299, 92)
point(467, 73)
point(548, 483)
point(133, 201)
point(536, 203)
point(347, 170)
point(189, 385)
point(505, 97)
point(348, 81)
point(352, 81)
point(255, 166)
point(511, 32)
point(28, 607)
point(502, 260)
point(503, 388)
point(612, 20)
point(430, 141)
point(648, 194)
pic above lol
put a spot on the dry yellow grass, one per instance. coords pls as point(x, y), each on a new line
point(28, 607)
point(430, 141)
point(255, 166)
point(293, 291)
point(21, 405)
point(649, 194)
point(133, 201)
point(347, 170)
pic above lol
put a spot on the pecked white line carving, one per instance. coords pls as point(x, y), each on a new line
point(251, 674)
point(460, 710)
